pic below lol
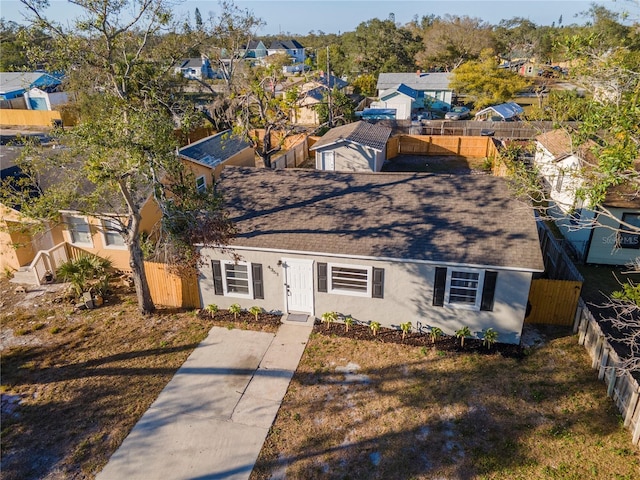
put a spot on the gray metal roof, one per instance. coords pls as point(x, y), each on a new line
point(505, 110)
point(215, 149)
point(418, 81)
point(463, 219)
point(363, 133)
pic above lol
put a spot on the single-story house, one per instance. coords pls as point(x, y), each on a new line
point(433, 88)
point(15, 84)
point(505, 112)
point(596, 237)
point(401, 98)
point(97, 234)
point(444, 251)
point(207, 157)
point(357, 146)
point(195, 68)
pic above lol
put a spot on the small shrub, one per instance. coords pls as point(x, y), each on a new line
point(348, 321)
point(463, 333)
point(406, 328)
point(329, 317)
point(375, 328)
point(435, 333)
point(212, 309)
point(235, 309)
point(490, 337)
point(255, 311)
point(55, 330)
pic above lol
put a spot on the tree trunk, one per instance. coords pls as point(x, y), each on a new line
point(266, 149)
point(143, 294)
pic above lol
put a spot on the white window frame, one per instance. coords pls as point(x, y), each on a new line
point(203, 187)
point(225, 287)
point(351, 293)
point(465, 306)
point(67, 220)
point(105, 242)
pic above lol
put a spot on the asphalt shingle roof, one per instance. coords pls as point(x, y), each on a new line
point(468, 219)
point(215, 149)
point(363, 133)
point(419, 82)
point(12, 81)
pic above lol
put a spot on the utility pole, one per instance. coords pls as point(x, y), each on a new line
point(328, 77)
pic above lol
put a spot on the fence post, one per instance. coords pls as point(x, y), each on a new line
point(576, 321)
point(597, 352)
point(633, 403)
point(603, 364)
point(583, 328)
point(611, 382)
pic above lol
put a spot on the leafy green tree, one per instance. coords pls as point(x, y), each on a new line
point(485, 83)
point(341, 106)
point(452, 40)
point(365, 84)
point(123, 149)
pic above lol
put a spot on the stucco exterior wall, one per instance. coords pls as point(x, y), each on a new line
point(603, 248)
point(408, 295)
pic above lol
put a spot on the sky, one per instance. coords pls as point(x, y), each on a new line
point(330, 16)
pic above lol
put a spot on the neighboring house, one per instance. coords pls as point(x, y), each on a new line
point(195, 68)
point(433, 88)
point(15, 84)
point(207, 157)
point(444, 251)
point(255, 49)
point(23, 251)
point(355, 147)
point(19, 249)
point(505, 112)
point(402, 99)
point(312, 93)
point(292, 48)
point(562, 166)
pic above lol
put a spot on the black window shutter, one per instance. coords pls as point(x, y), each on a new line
point(322, 277)
point(378, 283)
point(439, 286)
point(217, 277)
point(256, 275)
point(488, 290)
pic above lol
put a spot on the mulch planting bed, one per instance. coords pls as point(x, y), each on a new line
point(417, 339)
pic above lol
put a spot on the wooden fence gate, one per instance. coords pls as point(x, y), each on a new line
point(169, 289)
point(553, 302)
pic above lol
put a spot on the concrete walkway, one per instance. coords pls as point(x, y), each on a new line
point(212, 418)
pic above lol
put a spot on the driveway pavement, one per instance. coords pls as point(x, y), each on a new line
point(212, 418)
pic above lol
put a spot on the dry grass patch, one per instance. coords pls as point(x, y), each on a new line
point(74, 384)
point(366, 409)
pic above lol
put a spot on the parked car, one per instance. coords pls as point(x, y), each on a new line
point(458, 113)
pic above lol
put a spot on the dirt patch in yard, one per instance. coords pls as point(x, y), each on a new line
point(373, 409)
point(74, 383)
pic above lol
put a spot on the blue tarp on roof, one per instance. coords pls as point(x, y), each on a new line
point(377, 114)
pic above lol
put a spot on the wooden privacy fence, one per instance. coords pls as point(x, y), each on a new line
point(170, 290)
point(470, 147)
point(622, 387)
point(39, 118)
point(553, 302)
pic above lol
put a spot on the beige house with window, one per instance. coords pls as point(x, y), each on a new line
point(30, 255)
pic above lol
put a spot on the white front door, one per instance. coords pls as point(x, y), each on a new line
point(298, 279)
point(328, 161)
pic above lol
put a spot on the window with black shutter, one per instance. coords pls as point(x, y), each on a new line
point(322, 277)
point(217, 277)
point(439, 286)
point(258, 287)
point(488, 290)
point(377, 290)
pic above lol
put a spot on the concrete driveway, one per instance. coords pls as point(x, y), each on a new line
point(212, 418)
